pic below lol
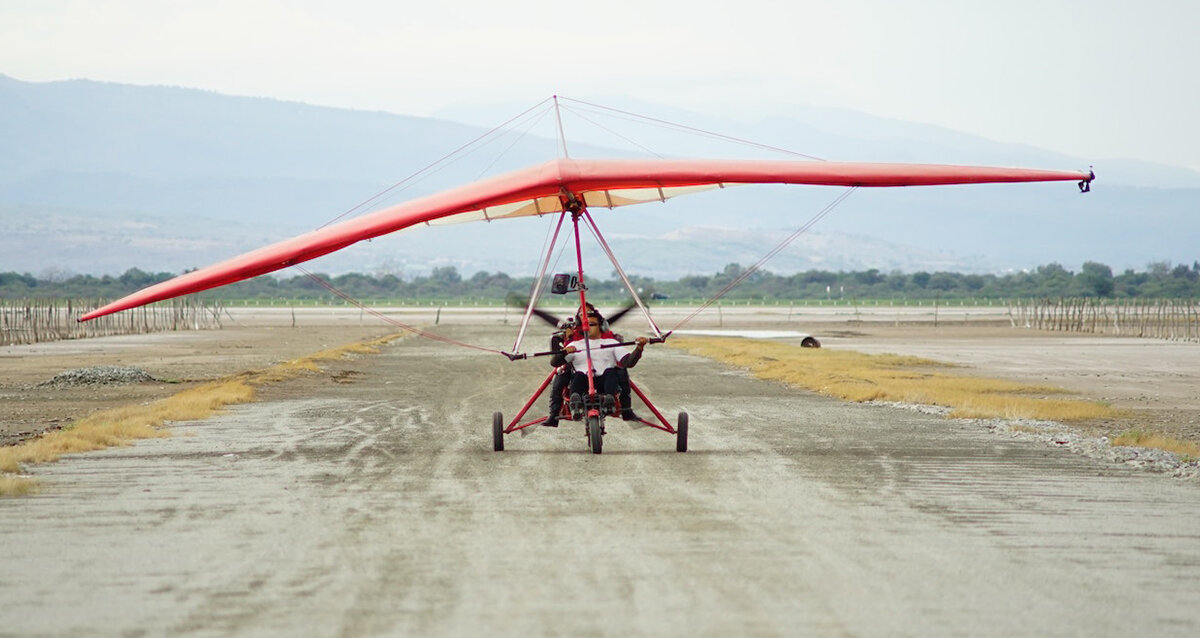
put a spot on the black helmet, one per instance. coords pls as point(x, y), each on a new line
point(592, 312)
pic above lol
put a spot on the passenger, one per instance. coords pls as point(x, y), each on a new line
point(559, 386)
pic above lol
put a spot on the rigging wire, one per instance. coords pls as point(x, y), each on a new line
point(694, 130)
point(537, 283)
point(430, 167)
point(579, 113)
point(637, 299)
point(428, 170)
point(530, 122)
point(774, 251)
point(508, 148)
point(375, 313)
point(547, 246)
point(629, 116)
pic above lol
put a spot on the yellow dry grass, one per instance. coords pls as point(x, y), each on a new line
point(16, 486)
point(855, 376)
point(310, 363)
point(1141, 438)
point(121, 426)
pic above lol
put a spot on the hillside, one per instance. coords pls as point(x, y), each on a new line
point(100, 177)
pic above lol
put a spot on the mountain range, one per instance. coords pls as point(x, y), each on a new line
point(98, 177)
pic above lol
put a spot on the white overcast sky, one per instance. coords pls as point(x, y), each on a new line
point(1097, 79)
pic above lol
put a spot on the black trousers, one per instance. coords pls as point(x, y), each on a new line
point(556, 391)
point(623, 381)
point(562, 379)
point(607, 383)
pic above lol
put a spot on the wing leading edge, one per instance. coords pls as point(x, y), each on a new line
point(546, 189)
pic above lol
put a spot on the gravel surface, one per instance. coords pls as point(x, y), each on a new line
point(1057, 435)
point(99, 375)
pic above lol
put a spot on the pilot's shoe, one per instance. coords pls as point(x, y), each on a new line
point(551, 422)
point(576, 406)
point(607, 403)
point(628, 415)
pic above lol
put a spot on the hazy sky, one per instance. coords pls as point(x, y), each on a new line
point(1094, 78)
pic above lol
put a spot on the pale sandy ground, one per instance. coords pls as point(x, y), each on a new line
point(1156, 379)
point(368, 501)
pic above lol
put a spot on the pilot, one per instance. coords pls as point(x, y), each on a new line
point(571, 330)
point(608, 362)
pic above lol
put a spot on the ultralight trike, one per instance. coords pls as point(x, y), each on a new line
point(594, 406)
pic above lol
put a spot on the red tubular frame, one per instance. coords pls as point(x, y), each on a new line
point(515, 424)
point(663, 424)
point(574, 205)
point(512, 425)
point(583, 315)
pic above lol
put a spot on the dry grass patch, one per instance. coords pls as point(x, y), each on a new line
point(1140, 438)
point(310, 363)
point(361, 347)
point(855, 376)
point(16, 486)
point(121, 426)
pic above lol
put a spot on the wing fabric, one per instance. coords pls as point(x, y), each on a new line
point(547, 188)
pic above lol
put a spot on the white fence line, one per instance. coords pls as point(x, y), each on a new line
point(25, 321)
point(1173, 319)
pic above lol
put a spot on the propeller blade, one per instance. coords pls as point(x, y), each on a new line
point(616, 316)
point(517, 301)
point(547, 317)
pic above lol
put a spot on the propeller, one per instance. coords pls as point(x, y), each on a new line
point(518, 301)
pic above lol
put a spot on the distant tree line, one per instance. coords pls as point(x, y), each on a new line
point(1158, 280)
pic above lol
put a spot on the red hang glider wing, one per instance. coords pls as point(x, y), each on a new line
point(546, 188)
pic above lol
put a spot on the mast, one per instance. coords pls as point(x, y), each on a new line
point(583, 313)
point(562, 138)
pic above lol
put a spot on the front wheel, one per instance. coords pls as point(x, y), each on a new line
point(498, 432)
point(595, 434)
point(681, 433)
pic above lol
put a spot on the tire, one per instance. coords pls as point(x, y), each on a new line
point(810, 342)
point(595, 434)
point(681, 433)
point(498, 432)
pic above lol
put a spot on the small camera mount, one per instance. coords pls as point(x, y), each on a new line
point(562, 283)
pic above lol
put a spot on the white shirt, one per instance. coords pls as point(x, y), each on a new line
point(601, 359)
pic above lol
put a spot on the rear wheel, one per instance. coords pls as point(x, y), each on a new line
point(595, 434)
point(681, 433)
point(498, 432)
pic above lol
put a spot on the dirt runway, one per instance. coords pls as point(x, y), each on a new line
point(375, 506)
